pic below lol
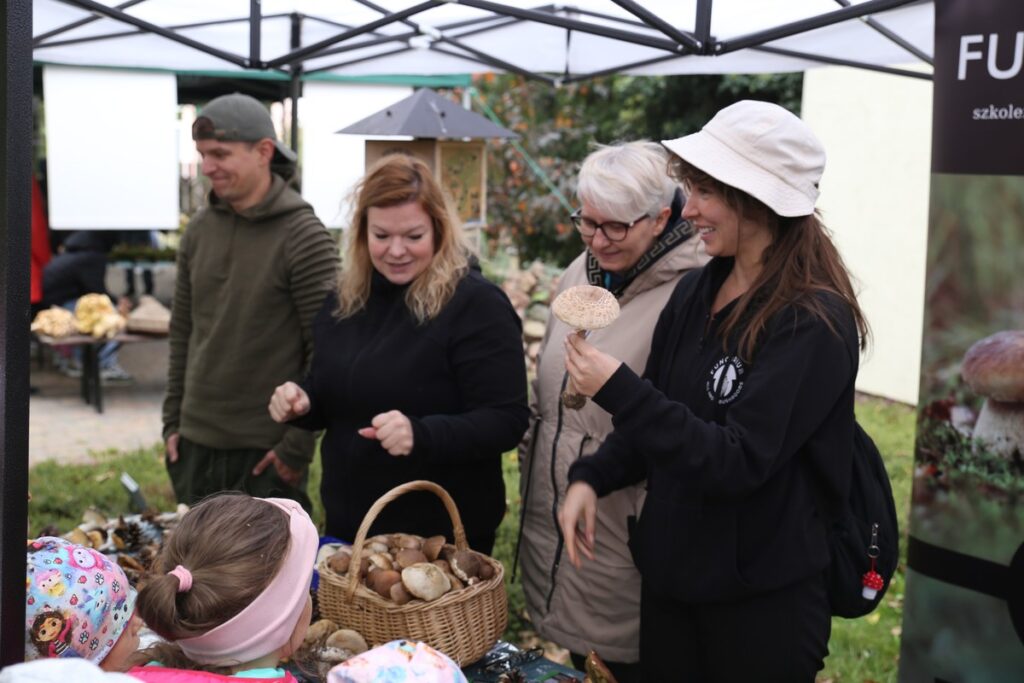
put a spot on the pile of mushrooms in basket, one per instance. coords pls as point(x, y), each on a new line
point(583, 308)
point(404, 567)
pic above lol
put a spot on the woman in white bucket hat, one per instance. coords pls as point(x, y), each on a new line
point(742, 420)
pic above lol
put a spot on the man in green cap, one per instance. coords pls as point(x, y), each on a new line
point(254, 267)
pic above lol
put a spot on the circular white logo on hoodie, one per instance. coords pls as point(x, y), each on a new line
point(726, 381)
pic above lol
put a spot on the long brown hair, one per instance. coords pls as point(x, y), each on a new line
point(394, 180)
point(800, 261)
point(233, 545)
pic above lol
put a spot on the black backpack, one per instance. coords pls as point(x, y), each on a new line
point(863, 535)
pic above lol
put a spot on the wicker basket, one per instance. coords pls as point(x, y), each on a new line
point(464, 624)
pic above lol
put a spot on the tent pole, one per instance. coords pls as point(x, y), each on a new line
point(656, 22)
point(255, 27)
point(295, 89)
point(619, 69)
point(808, 24)
point(77, 24)
point(158, 30)
point(894, 37)
point(15, 231)
point(491, 61)
point(702, 24)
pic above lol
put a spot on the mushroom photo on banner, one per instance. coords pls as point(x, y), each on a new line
point(994, 368)
point(583, 308)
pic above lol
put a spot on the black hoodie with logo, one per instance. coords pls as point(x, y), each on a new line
point(725, 444)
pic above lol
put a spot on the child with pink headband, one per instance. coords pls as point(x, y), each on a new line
point(231, 592)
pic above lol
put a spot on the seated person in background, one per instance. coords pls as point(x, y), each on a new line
point(80, 267)
point(78, 604)
point(229, 591)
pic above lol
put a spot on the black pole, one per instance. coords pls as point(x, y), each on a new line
point(15, 222)
point(894, 37)
point(255, 31)
point(78, 24)
point(656, 22)
point(702, 24)
point(295, 87)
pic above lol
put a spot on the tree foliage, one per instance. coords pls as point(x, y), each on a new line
point(559, 126)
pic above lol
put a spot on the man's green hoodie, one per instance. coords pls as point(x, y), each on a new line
point(248, 286)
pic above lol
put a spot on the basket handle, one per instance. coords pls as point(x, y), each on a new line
point(371, 516)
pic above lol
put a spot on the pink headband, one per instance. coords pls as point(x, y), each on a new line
point(267, 622)
point(184, 578)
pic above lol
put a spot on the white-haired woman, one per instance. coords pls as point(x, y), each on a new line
point(637, 246)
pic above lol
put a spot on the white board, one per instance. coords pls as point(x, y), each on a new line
point(332, 163)
point(111, 144)
point(876, 129)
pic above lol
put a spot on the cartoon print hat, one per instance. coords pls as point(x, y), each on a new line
point(77, 601)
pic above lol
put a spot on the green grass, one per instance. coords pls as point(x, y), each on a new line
point(865, 649)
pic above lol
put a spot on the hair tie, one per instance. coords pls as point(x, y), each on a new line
point(184, 578)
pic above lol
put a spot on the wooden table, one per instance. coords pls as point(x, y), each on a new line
point(92, 387)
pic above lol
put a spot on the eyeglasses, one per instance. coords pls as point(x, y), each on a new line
point(614, 231)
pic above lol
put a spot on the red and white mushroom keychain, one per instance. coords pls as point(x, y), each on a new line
point(872, 580)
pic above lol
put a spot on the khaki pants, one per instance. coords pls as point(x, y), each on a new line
point(200, 472)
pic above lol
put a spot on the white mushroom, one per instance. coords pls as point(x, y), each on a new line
point(425, 581)
point(994, 368)
point(584, 308)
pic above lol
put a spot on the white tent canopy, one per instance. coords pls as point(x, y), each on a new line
point(552, 42)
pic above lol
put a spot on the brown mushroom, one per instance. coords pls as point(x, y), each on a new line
point(399, 594)
point(487, 570)
point(339, 561)
point(381, 560)
point(382, 580)
point(318, 631)
point(994, 368)
point(425, 581)
point(408, 542)
point(443, 566)
point(465, 565)
point(583, 308)
point(456, 582)
point(347, 639)
point(409, 557)
point(432, 547)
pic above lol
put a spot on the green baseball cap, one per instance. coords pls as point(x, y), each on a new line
point(238, 118)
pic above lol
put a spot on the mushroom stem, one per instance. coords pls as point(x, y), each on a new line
point(1000, 426)
point(571, 397)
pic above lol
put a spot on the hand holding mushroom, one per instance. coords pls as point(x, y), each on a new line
point(585, 308)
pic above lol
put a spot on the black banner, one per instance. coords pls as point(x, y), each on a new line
point(979, 87)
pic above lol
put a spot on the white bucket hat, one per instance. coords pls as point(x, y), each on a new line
point(762, 149)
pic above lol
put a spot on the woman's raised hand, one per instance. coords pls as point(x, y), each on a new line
point(393, 430)
point(288, 402)
point(588, 367)
point(580, 505)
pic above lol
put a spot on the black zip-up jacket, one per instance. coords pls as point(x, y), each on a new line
point(460, 378)
point(726, 445)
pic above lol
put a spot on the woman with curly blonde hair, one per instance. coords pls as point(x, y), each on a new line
point(418, 369)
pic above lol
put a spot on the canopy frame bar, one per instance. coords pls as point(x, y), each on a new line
point(369, 27)
point(490, 60)
point(894, 37)
point(809, 24)
point(118, 15)
point(654, 21)
point(138, 32)
point(553, 19)
point(84, 21)
point(255, 31)
point(702, 24)
point(796, 54)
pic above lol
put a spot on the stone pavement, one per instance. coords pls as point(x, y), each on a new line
point(63, 427)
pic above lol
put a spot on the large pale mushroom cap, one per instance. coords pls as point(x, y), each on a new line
point(586, 307)
point(994, 366)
